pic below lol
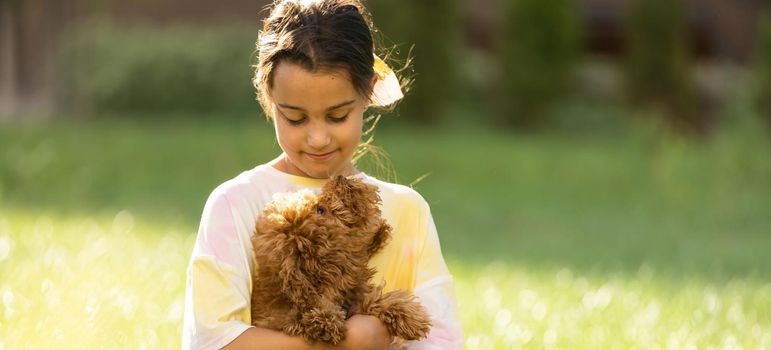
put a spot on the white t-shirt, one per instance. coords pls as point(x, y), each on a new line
point(219, 274)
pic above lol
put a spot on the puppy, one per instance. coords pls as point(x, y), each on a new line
point(311, 255)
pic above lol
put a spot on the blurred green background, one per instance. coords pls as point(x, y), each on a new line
point(599, 171)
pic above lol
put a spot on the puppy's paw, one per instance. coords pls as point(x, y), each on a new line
point(323, 325)
point(406, 321)
point(403, 316)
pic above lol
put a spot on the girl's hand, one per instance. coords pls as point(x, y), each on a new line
point(365, 332)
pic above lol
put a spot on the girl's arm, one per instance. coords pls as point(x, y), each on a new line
point(364, 332)
point(436, 290)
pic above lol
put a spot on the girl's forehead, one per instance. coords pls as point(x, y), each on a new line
point(295, 86)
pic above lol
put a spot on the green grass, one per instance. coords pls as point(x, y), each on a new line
point(509, 307)
point(624, 240)
point(90, 283)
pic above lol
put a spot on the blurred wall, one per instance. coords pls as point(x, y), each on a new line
point(29, 30)
point(7, 60)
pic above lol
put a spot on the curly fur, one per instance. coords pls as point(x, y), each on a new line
point(311, 255)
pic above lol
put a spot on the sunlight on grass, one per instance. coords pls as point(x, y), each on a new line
point(516, 307)
point(119, 282)
point(90, 283)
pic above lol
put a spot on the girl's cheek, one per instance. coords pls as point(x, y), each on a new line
point(289, 134)
point(297, 135)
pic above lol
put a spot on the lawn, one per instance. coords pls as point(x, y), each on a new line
point(573, 240)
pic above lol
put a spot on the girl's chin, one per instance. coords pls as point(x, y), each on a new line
point(319, 170)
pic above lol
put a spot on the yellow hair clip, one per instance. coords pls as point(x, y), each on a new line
point(381, 68)
point(387, 89)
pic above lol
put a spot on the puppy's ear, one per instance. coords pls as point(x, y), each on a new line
point(294, 282)
point(380, 239)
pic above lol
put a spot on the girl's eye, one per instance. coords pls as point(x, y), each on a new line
point(295, 121)
point(338, 119)
point(290, 120)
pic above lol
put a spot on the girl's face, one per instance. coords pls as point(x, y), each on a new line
point(318, 119)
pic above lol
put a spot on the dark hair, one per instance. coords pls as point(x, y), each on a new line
point(320, 35)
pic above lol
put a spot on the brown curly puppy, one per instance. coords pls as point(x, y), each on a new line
point(311, 255)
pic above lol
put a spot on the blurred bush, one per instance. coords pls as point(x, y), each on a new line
point(657, 62)
point(106, 67)
point(430, 30)
point(763, 68)
point(540, 48)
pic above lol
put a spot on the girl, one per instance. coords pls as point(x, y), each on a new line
point(315, 77)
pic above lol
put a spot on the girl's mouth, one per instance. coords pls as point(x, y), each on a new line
point(320, 157)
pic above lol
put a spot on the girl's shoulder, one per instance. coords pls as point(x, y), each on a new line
point(244, 179)
point(258, 183)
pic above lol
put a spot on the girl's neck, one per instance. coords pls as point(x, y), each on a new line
point(282, 163)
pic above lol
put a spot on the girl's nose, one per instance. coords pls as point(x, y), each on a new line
point(318, 137)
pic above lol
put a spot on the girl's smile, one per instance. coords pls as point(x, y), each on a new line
point(321, 157)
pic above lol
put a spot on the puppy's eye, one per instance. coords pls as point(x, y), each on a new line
point(320, 210)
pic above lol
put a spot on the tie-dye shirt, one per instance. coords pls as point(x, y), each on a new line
point(219, 274)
